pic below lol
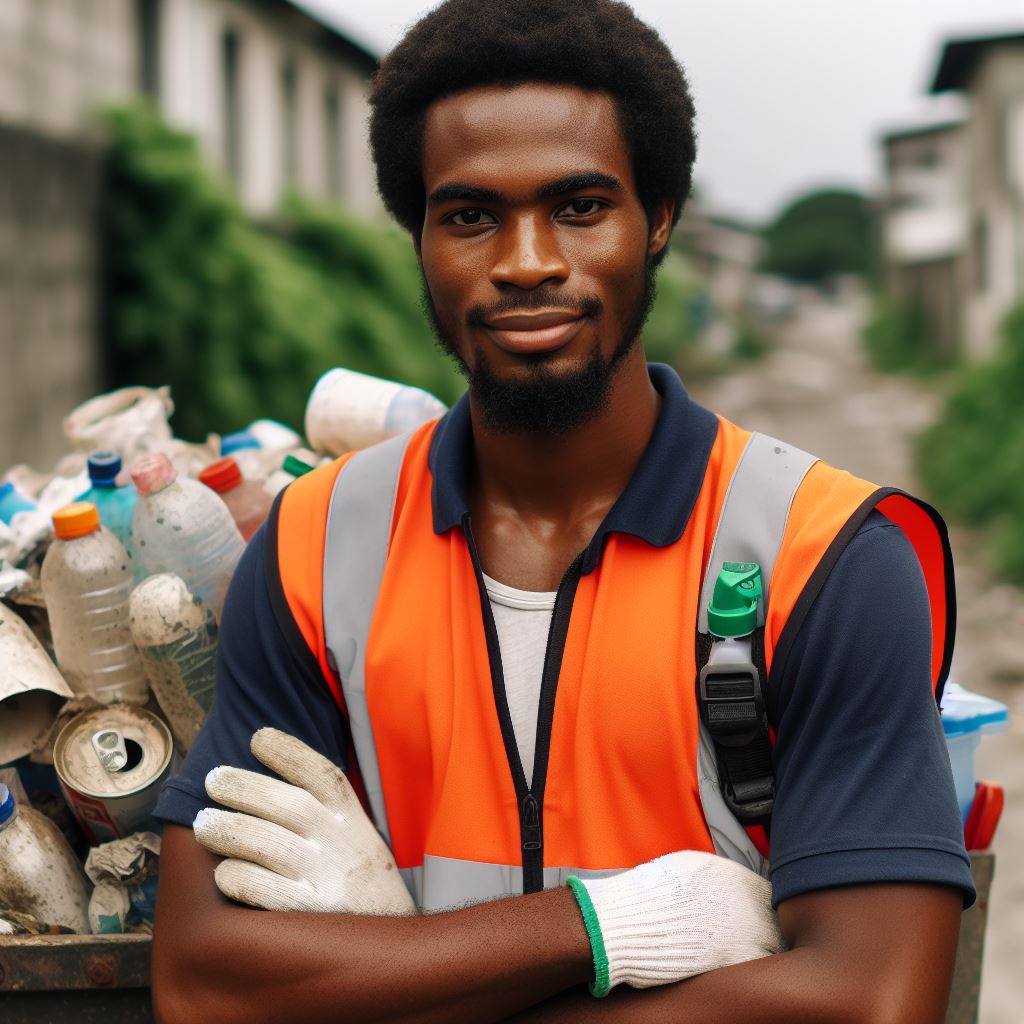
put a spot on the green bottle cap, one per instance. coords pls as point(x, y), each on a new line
point(733, 609)
point(296, 466)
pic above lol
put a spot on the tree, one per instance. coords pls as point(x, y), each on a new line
point(819, 235)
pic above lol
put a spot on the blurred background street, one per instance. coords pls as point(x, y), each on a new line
point(187, 200)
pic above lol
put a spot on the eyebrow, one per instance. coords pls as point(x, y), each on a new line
point(460, 191)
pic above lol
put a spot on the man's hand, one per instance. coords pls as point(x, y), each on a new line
point(305, 846)
point(672, 918)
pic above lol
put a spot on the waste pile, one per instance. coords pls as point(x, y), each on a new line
point(114, 567)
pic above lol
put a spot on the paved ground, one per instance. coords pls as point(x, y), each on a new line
point(816, 391)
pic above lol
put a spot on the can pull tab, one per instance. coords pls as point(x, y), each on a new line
point(110, 749)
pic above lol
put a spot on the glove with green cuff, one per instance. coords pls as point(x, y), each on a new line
point(674, 917)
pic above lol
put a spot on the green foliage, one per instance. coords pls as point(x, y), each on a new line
point(820, 235)
point(748, 343)
point(898, 338)
point(240, 321)
point(972, 459)
point(670, 328)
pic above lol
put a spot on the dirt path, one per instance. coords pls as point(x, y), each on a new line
point(816, 391)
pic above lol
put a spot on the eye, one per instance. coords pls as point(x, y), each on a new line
point(469, 218)
point(582, 207)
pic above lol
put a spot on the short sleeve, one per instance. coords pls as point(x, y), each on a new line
point(261, 680)
point(864, 786)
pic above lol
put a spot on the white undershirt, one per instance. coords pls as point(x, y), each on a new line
point(522, 619)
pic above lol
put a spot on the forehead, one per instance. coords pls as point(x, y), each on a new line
point(514, 138)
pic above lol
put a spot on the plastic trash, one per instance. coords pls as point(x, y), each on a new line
point(246, 500)
point(177, 639)
point(40, 877)
point(87, 579)
point(13, 501)
point(349, 410)
point(124, 872)
point(966, 718)
point(129, 420)
point(180, 526)
point(291, 469)
point(114, 504)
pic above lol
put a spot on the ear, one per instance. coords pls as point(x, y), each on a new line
point(659, 226)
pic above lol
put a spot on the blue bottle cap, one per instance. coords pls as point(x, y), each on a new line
point(103, 468)
point(236, 442)
point(6, 803)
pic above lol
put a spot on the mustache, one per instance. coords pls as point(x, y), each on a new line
point(588, 306)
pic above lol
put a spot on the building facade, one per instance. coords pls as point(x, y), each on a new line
point(276, 97)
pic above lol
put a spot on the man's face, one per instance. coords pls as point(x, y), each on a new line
point(536, 250)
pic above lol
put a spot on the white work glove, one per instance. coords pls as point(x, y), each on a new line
point(674, 917)
point(306, 846)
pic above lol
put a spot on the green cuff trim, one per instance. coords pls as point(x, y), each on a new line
point(602, 984)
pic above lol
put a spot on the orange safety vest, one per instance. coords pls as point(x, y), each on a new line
point(396, 615)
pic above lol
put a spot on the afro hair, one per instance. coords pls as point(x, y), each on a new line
point(593, 44)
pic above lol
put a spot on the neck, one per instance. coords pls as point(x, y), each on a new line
point(567, 476)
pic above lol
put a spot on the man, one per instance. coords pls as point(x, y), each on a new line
point(522, 698)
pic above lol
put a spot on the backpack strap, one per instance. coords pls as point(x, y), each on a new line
point(735, 769)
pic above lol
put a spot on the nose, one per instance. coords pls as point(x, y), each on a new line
point(528, 254)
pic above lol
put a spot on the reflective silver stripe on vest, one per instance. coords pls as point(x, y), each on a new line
point(444, 883)
point(356, 548)
point(750, 529)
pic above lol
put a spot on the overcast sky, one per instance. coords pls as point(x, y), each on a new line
point(790, 94)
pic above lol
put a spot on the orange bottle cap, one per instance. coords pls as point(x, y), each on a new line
point(76, 520)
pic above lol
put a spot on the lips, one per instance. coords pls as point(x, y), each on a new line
point(534, 332)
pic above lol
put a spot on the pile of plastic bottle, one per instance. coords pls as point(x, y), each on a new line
point(114, 570)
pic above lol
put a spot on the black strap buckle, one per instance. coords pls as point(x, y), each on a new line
point(732, 708)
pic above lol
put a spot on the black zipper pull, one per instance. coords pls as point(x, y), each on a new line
point(532, 839)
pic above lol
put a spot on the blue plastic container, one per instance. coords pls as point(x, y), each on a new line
point(11, 501)
point(966, 717)
point(115, 504)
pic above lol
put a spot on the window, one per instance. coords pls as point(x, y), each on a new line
point(147, 14)
point(231, 98)
point(332, 141)
point(289, 120)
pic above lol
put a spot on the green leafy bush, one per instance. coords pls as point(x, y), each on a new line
point(898, 338)
point(972, 459)
point(241, 321)
point(670, 328)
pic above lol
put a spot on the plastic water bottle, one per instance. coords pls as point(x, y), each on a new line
point(177, 638)
point(87, 579)
point(115, 504)
point(246, 500)
point(13, 501)
point(349, 410)
point(182, 527)
point(40, 876)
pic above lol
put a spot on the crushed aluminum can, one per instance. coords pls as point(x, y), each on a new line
point(111, 763)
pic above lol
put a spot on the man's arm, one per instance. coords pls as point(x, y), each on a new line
point(220, 962)
point(872, 954)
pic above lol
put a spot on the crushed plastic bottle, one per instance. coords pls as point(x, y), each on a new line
point(180, 526)
point(87, 579)
point(246, 500)
point(177, 638)
point(349, 410)
point(12, 501)
point(40, 877)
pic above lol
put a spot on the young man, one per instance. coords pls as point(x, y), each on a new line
point(521, 697)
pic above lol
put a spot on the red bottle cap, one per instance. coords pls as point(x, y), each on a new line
point(222, 475)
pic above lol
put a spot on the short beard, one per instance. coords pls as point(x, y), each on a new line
point(547, 403)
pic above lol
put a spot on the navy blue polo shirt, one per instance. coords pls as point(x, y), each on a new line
point(864, 788)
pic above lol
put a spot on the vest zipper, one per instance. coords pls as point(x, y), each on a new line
point(530, 798)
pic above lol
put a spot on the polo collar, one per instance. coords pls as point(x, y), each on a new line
point(660, 495)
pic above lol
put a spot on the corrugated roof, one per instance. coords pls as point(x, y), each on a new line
point(896, 134)
point(960, 57)
point(342, 34)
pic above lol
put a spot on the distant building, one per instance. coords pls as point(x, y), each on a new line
point(989, 71)
point(924, 224)
point(275, 95)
